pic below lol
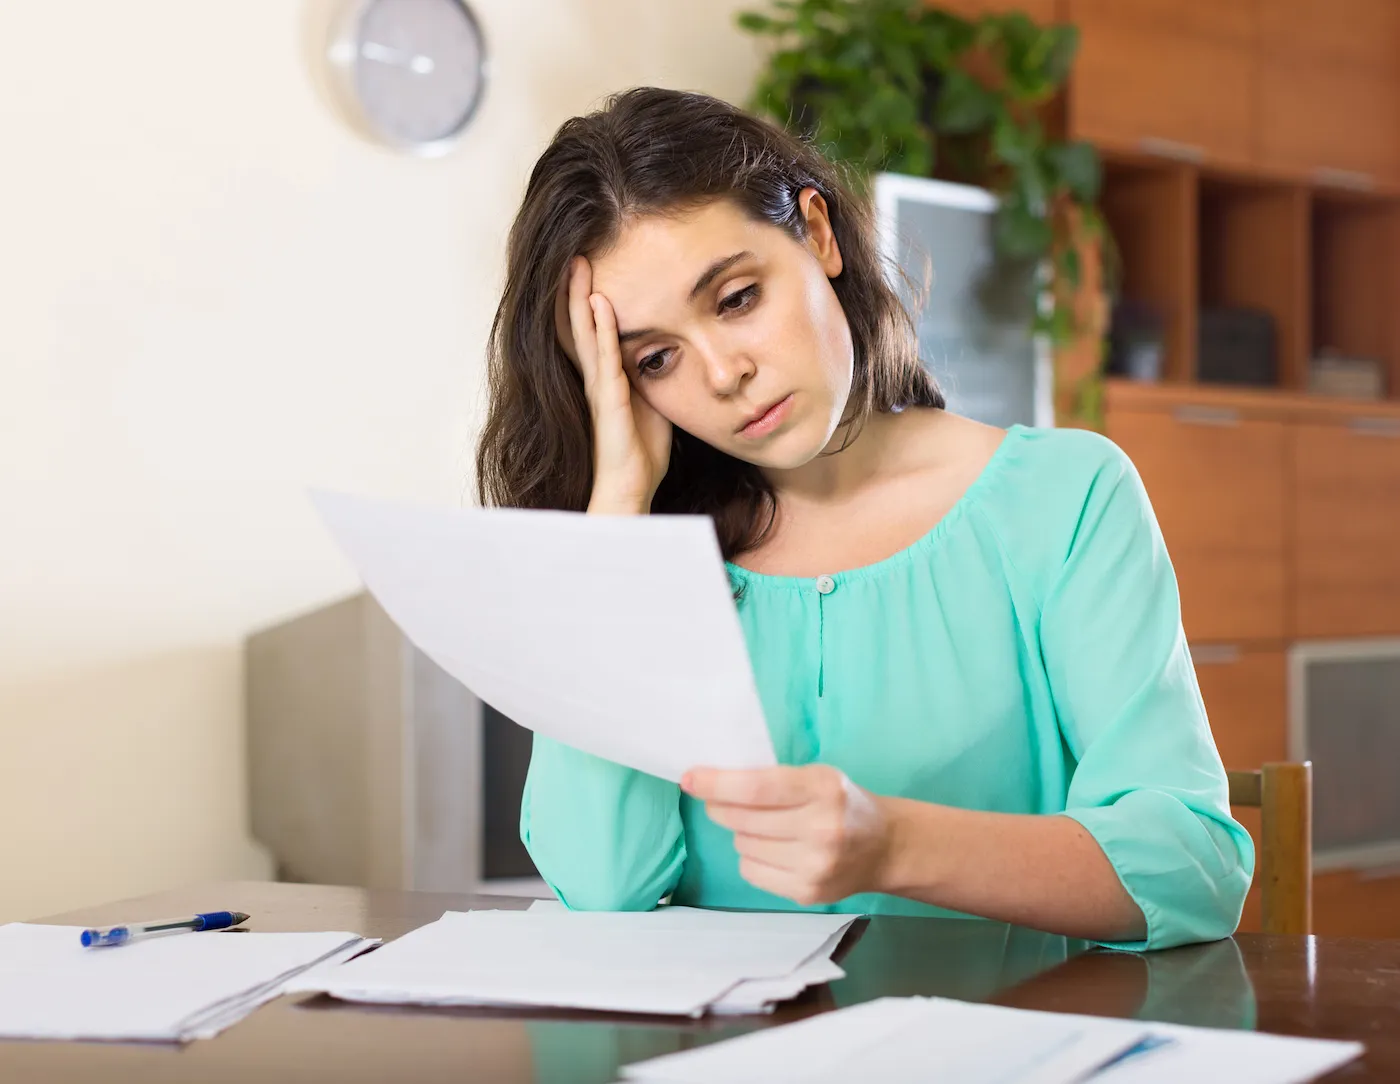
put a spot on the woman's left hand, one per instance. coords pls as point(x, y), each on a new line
point(805, 833)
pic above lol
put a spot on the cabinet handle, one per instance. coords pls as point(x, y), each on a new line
point(1344, 178)
point(1215, 654)
point(1375, 427)
point(1204, 415)
point(1172, 148)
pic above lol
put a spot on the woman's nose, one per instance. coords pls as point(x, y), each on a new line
point(728, 372)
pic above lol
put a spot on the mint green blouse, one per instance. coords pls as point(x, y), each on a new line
point(1025, 656)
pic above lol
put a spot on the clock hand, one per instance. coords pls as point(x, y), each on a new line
point(419, 64)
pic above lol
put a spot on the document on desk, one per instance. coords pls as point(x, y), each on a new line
point(163, 989)
point(916, 1039)
point(636, 962)
point(614, 634)
point(752, 995)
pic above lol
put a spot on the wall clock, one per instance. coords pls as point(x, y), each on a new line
point(409, 73)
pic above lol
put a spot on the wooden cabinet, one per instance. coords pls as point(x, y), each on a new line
point(1254, 252)
point(1246, 696)
point(1349, 903)
point(1346, 526)
point(1338, 124)
point(1042, 11)
point(1151, 211)
point(1173, 78)
point(1215, 477)
point(1329, 88)
point(1342, 33)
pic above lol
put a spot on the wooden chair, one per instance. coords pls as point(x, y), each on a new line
point(1283, 794)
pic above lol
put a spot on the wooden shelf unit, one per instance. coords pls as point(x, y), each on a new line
point(1323, 262)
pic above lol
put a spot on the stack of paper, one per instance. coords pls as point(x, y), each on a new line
point(674, 960)
point(751, 995)
point(498, 596)
point(163, 989)
point(909, 1040)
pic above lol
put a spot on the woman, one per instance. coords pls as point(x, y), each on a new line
point(967, 641)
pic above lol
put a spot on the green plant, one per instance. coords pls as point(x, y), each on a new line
point(899, 85)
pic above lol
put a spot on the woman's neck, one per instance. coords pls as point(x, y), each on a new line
point(880, 449)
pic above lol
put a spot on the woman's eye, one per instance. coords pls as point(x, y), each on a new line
point(739, 300)
point(653, 363)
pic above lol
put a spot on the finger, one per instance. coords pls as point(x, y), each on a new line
point(787, 855)
point(609, 351)
point(762, 787)
point(791, 822)
point(585, 335)
point(779, 882)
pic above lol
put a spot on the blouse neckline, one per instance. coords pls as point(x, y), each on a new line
point(887, 564)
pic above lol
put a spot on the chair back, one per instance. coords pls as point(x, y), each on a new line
point(1283, 794)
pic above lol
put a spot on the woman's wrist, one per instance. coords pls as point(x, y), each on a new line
point(603, 503)
point(909, 866)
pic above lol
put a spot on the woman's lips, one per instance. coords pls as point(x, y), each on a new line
point(773, 417)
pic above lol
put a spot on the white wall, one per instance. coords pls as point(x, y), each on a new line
point(213, 294)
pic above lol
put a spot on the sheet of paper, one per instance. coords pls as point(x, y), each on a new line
point(650, 962)
point(755, 995)
point(907, 1040)
point(762, 995)
point(614, 634)
point(167, 989)
point(1242, 1057)
point(901, 1041)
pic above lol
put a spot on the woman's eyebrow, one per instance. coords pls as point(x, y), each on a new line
point(714, 271)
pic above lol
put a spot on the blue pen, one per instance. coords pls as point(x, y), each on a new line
point(132, 931)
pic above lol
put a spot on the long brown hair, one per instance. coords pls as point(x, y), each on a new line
point(650, 151)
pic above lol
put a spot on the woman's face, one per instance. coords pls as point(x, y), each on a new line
point(730, 329)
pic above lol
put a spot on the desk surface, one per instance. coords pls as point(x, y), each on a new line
point(1326, 987)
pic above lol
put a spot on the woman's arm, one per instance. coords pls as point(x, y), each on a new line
point(604, 837)
point(1043, 872)
point(809, 834)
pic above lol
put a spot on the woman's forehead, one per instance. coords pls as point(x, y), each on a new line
point(660, 255)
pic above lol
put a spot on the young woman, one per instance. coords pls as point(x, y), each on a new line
point(967, 641)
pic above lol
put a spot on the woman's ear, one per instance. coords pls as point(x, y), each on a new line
point(821, 240)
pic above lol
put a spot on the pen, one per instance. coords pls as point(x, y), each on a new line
point(120, 935)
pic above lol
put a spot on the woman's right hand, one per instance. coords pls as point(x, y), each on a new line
point(631, 441)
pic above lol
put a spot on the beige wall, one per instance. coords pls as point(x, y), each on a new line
point(212, 295)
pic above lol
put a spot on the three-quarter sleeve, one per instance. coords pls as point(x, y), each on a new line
point(1148, 785)
point(603, 837)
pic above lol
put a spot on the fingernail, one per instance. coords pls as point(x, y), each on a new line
point(686, 782)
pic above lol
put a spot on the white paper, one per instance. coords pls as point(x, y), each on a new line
point(1242, 1057)
point(756, 995)
point(614, 634)
point(170, 989)
point(643, 962)
point(908, 1040)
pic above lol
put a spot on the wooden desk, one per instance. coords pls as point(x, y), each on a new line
point(1325, 987)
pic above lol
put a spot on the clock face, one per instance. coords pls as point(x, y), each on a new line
point(415, 69)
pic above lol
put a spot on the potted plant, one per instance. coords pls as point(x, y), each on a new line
point(903, 86)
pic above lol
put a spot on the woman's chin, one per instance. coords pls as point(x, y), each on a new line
point(782, 451)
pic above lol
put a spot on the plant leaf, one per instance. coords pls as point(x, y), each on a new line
point(1060, 56)
point(1076, 167)
point(1020, 234)
point(964, 105)
point(756, 23)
